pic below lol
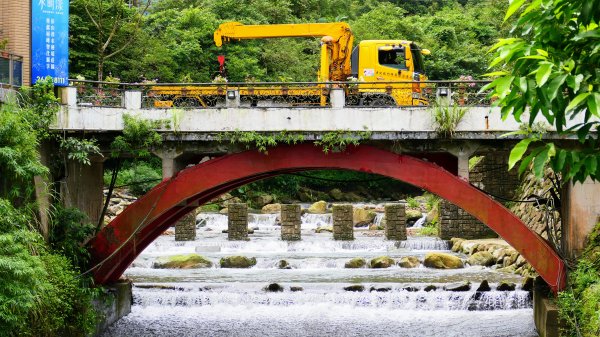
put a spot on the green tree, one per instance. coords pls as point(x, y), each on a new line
point(550, 70)
point(108, 27)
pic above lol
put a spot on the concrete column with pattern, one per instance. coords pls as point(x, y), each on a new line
point(343, 226)
point(185, 229)
point(237, 222)
point(395, 222)
point(290, 222)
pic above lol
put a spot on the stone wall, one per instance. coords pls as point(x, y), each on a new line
point(237, 222)
point(395, 222)
point(456, 223)
point(490, 175)
point(290, 222)
point(185, 229)
point(343, 226)
point(532, 214)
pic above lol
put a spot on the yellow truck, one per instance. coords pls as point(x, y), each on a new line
point(376, 72)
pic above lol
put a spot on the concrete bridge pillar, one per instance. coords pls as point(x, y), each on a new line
point(395, 222)
point(343, 226)
point(237, 221)
point(580, 213)
point(170, 162)
point(83, 187)
point(290, 222)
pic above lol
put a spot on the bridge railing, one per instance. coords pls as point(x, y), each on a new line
point(279, 94)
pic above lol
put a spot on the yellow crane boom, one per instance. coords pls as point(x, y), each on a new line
point(336, 42)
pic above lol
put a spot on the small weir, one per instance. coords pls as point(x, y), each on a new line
point(315, 295)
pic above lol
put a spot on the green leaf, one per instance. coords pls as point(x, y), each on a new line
point(533, 57)
point(542, 52)
point(523, 84)
point(577, 100)
point(514, 6)
point(555, 85)
point(495, 73)
point(517, 152)
point(593, 102)
point(503, 42)
point(543, 73)
point(539, 161)
point(559, 160)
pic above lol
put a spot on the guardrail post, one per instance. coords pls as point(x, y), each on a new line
point(68, 96)
point(133, 100)
point(337, 98)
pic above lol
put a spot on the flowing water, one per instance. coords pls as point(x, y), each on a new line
point(313, 302)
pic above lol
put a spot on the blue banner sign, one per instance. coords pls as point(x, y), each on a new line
point(50, 40)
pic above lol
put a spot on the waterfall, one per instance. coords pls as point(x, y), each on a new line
point(425, 243)
point(419, 223)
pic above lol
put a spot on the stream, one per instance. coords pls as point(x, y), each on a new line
point(313, 302)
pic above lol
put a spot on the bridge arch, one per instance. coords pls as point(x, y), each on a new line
point(119, 243)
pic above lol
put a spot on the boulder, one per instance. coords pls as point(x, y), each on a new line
point(271, 209)
point(506, 286)
point(362, 217)
point(484, 258)
point(263, 199)
point(433, 216)
point(458, 286)
point(430, 287)
point(356, 262)
point(509, 269)
point(413, 214)
point(442, 261)
point(352, 196)
point(456, 243)
point(319, 207)
point(411, 289)
point(355, 288)
point(184, 261)
point(380, 289)
point(409, 262)
point(296, 288)
point(237, 262)
point(273, 287)
point(336, 194)
point(382, 262)
point(527, 283)
point(324, 229)
point(283, 264)
point(484, 286)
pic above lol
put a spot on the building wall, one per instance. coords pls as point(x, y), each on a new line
point(15, 25)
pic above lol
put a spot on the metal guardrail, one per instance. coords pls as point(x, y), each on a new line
point(281, 94)
point(11, 70)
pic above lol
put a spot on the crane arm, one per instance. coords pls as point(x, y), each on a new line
point(337, 36)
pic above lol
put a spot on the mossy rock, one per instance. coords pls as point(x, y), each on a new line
point(458, 286)
point(409, 262)
point(319, 207)
point(237, 262)
point(273, 288)
point(355, 288)
point(184, 261)
point(382, 262)
point(442, 261)
point(484, 286)
point(413, 214)
point(484, 258)
point(271, 209)
point(506, 286)
point(336, 194)
point(356, 262)
point(328, 229)
point(363, 217)
point(283, 264)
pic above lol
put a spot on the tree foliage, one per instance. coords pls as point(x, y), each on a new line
point(550, 73)
point(175, 39)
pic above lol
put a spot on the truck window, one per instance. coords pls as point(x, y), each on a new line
point(394, 58)
point(417, 58)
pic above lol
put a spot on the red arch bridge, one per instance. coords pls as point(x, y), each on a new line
point(120, 242)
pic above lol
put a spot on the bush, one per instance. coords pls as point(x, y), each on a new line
point(69, 230)
point(40, 292)
point(139, 177)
